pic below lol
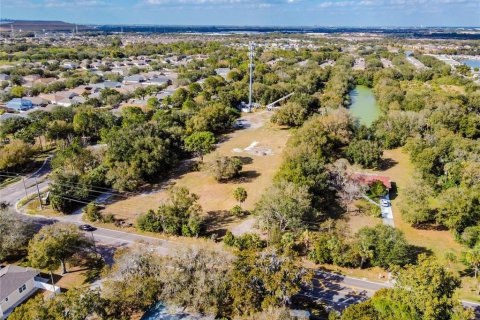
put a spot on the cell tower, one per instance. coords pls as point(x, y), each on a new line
point(251, 54)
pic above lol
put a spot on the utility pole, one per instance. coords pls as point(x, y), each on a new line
point(94, 246)
point(53, 283)
point(251, 54)
point(38, 193)
point(25, 187)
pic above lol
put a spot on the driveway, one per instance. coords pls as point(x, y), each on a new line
point(387, 212)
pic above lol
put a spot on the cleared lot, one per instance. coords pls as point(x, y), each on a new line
point(260, 145)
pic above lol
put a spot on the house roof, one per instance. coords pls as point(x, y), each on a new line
point(6, 116)
point(13, 277)
point(134, 78)
point(369, 178)
point(36, 100)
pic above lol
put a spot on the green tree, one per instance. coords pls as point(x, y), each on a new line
point(425, 291)
point(291, 114)
point(216, 118)
point(180, 215)
point(382, 246)
point(240, 194)
point(472, 259)
point(224, 168)
point(92, 212)
point(364, 152)
point(200, 143)
point(263, 280)
point(15, 233)
point(284, 206)
point(53, 245)
point(15, 154)
point(75, 304)
point(153, 103)
point(17, 91)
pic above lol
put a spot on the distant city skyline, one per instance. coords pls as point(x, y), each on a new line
point(250, 12)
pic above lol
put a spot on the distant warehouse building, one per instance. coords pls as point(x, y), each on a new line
point(19, 104)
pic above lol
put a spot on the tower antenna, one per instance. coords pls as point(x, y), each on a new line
point(251, 54)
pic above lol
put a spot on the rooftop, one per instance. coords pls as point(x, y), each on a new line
point(13, 277)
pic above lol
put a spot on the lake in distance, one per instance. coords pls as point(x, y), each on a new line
point(472, 63)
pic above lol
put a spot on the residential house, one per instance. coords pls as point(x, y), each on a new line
point(19, 104)
point(70, 65)
point(370, 178)
point(58, 96)
point(134, 79)
point(31, 77)
point(17, 284)
point(222, 72)
point(160, 80)
point(36, 101)
point(6, 116)
point(4, 77)
point(44, 81)
point(106, 84)
point(119, 71)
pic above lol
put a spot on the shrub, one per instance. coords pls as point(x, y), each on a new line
point(377, 189)
point(364, 152)
point(247, 241)
point(237, 211)
point(225, 168)
point(92, 212)
point(180, 216)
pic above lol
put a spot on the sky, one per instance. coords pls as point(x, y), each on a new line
point(356, 13)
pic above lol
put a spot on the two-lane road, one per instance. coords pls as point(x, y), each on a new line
point(339, 292)
point(27, 186)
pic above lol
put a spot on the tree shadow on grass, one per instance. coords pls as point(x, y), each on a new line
point(247, 176)
point(415, 251)
point(245, 160)
point(429, 226)
point(216, 222)
point(386, 164)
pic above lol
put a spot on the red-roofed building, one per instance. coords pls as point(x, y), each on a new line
point(369, 178)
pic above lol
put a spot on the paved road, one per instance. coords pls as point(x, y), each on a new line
point(339, 291)
point(16, 191)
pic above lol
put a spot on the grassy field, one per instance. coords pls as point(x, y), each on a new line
point(439, 242)
point(260, 146)
point(401, 173)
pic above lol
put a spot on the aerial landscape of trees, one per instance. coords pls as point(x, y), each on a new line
point(105, 147)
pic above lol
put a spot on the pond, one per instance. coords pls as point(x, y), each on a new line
point(472, 63)
point(159, 312)
point(364, 105)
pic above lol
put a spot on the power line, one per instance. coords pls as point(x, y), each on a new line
point(79, 187)
point(73, 199)
point(92, 188)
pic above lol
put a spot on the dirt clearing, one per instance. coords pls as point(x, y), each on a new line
point(259, 144)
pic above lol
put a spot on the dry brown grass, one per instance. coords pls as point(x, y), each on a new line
point(216, 198)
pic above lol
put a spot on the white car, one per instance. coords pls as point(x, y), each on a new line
point(385, 203)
